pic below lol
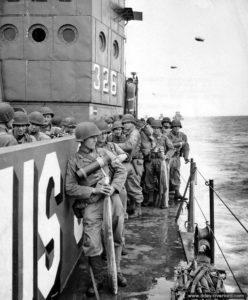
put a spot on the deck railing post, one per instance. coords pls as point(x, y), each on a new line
point(191, 213)
point(211, 202)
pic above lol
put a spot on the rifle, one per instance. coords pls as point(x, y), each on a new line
point(163, 185)
point(109, 242)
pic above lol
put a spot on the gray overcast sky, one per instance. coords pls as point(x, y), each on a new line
point(211, 77)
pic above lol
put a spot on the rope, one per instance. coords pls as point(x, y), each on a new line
point(206, 182)
point(219, 246)
point(226, 260)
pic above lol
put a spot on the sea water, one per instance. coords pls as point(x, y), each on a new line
point(219, 146)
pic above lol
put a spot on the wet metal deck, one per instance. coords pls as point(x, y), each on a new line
point(154, 251)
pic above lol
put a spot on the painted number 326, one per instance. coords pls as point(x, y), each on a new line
point(105, 79)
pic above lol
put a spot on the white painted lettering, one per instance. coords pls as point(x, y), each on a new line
point(48, 228)
point(6, 235)
point(28, 225)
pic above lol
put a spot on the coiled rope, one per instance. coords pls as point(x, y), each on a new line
point(204, 216)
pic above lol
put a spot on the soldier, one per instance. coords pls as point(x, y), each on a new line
point(89, 196)
point(68, 126)
point(180, 143)
point(36, 121)
point(20, 128)
point(117, 135)
point(148, 121)
point(166, 125)
point(161, 148)
point(48, 129)
point(132, 147)
point(6, 118)
point(110, 122)
point(56, 121)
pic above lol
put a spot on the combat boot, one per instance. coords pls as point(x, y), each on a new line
point(96, 264)
point(137, 211)
point(122, 282)
point(178, 196)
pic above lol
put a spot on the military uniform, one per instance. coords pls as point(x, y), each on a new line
point(135, 167)
point(116, 150)
point(26, 138)
point(81, 189)
point(52, 131)
point(153, 162)
point(116, 139)
point(40, 136)
point(6, 116)
point(181, 149)
point(20, 128)
point(6, 139)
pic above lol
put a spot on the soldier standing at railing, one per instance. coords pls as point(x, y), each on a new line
point(132, 147)
point(161, 149)
point(89, 196)
point(180, 143)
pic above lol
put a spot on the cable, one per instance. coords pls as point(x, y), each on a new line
point(206, 182)
point(219, 246)
point(226, 260)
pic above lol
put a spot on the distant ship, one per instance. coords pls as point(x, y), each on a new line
point(178, 116)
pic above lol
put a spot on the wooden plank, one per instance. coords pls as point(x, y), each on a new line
point(187, 242)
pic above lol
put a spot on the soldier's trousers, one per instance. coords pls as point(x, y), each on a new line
point(93, 224)
point(175, 165)
point(134, 190)
point(152, 174)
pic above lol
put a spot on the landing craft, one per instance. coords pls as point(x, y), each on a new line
point(68, 55)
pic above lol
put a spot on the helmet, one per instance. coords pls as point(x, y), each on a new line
point(166, 120)
point(69, 122)
point(20, 118)
point(128, 118)
point(149, 120)
point(103, 126)
point(6, 113)
point(20, 109)
point(36, 118)
point(117, 124)
point(56, 121)
point(109, 120)
point(139, 124)
point(176, 123)
point(85, 130)
point(45, 110)
point(156, 123)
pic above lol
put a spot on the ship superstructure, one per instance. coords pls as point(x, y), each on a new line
point(67, 54)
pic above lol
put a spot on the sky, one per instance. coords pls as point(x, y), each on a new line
point(211, 78)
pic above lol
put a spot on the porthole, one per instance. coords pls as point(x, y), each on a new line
point(68, 34)
point(115, 49)
point(102, 41)
point(38, 33)
point(8, 32)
